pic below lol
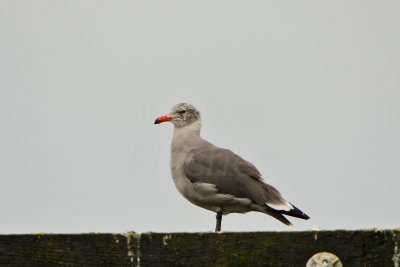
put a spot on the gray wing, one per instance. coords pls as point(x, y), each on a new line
point(231, 175)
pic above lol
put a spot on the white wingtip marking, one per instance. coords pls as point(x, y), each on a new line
point(284, 206)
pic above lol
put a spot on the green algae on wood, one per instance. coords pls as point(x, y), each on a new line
point(354, 248)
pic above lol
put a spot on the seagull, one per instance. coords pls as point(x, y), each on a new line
point(215, 178)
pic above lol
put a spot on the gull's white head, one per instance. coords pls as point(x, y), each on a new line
point(180, 115)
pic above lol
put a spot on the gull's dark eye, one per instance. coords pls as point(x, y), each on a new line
point(181, 111)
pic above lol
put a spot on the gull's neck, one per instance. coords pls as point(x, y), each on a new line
point(192, 129)
point(183, 136)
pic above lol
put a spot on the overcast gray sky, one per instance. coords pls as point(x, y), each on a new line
point(308, 91)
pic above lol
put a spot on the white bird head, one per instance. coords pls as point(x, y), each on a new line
point(180, 115)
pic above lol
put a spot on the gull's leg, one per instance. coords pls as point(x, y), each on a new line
point(219, 221)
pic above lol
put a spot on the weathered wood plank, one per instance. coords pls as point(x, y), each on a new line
point(354, 248)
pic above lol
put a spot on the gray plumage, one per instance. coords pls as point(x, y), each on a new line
point(215, 178)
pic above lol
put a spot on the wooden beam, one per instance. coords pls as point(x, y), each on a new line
point(354, 248)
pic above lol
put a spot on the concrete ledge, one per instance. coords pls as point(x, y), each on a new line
point(354, 248)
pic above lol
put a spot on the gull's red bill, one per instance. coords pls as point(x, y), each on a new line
point(162, 119)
